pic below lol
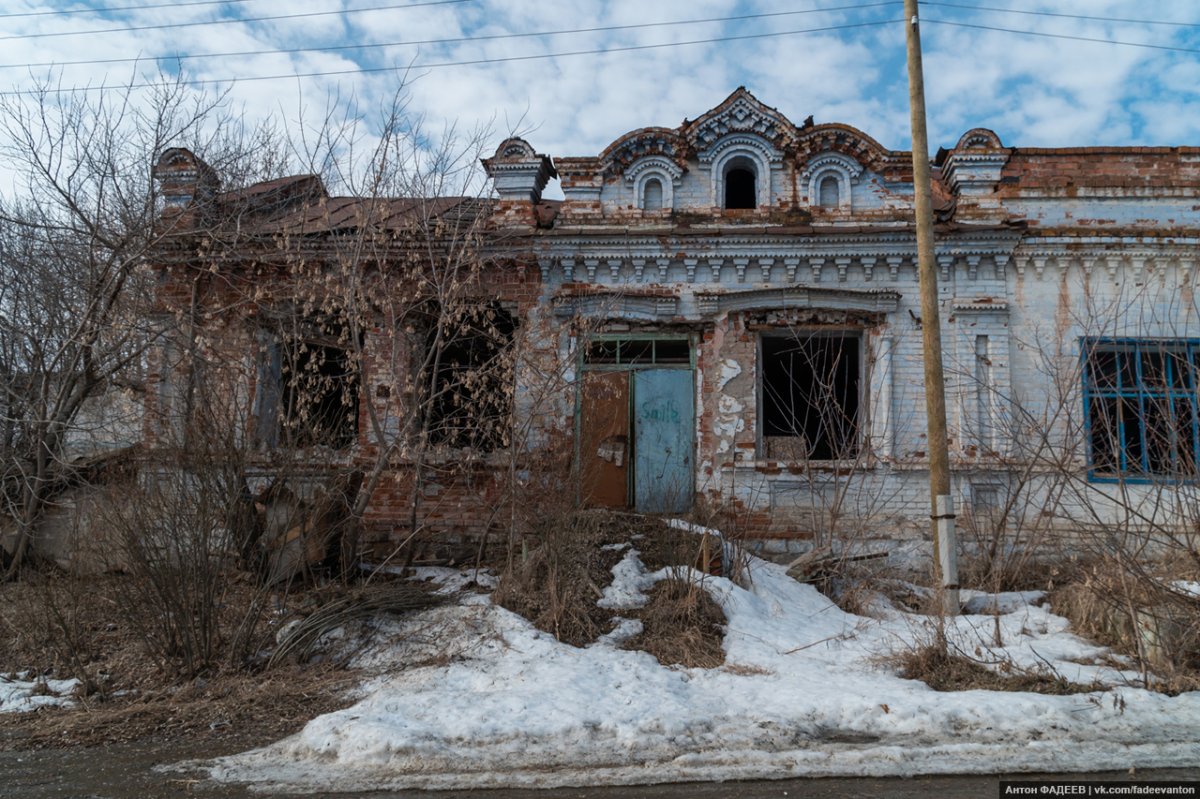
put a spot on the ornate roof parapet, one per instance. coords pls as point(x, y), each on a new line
point(973, 167)
point(837, 138)
point(844, 169)
point(656, 167)
point(740, 112)
point(628, 150)
point(186, 183)
point(518, 172)
point(582, 180)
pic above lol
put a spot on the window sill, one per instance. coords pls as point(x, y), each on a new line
point(769, 466)
point(1142, 479)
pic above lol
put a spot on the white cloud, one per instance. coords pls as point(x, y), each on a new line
point(1034, 91)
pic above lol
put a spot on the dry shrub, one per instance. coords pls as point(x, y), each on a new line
point(130, 697)
point(63, 626)
point(945, 670)
point(556, 582)
point(1039, 571)
point(1140, 618)
point(661, 546)
point(69, 626)
point(681, 625)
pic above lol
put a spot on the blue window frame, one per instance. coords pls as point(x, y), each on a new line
point(1140, 408)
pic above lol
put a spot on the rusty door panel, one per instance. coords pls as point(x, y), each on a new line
point(604, 439)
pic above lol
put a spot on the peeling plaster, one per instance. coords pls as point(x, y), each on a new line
point(729, 370)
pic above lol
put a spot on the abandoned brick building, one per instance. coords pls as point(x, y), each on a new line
point(723, 317)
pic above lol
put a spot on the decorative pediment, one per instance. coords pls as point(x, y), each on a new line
point(636, 146)
point(979, 139)
point(743, 142)
point(514, 149)
point(831, 162)
point(654, 164)
point(741, 112)
point(836, 138)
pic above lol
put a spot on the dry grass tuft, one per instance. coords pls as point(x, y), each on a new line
point(360, 604)
point(1139, 617)
point(945, 670)
point(681, 625)
point(559, 579)
point(565, 572)
point(252, 709)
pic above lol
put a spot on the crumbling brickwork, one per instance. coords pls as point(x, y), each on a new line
point(680, 258)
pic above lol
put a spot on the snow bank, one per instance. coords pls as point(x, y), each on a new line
point(19, 694)
point(804, 692)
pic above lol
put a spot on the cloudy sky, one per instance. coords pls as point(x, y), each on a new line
point(1033, 90)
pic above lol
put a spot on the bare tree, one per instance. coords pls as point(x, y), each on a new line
point(74, 236)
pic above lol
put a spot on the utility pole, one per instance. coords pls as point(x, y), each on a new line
point(942, 505)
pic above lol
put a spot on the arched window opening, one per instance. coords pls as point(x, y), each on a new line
point(828, 192)
point(652, 195)
point(741, 190)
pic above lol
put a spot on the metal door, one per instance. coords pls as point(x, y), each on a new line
point(663, 430)
point(604, 439)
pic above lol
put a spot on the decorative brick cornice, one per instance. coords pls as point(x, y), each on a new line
point(616, 305)
point(798, 297)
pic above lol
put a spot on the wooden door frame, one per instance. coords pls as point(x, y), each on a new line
point(693, 339)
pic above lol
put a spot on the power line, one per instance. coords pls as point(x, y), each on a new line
point(457, 40)
point(1059, 15)
point(111, 9)
point(230, 21)
point(1095, 39)
point(441, 64)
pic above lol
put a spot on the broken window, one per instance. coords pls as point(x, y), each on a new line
point(828, 192)
point(652, 195)
point(741, 190)
point(810, 389)
point(308, 388)
point(638, 351)
point(1140, 407)
point(468, 377)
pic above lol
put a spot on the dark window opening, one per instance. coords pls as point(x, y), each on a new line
point(319, 395)
point(740, 189)
point(810, 396)
point(1141, 408)
point(470, 395)
point(828, 192)
point(308, 389)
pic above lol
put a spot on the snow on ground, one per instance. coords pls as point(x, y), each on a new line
point(1188, 587)
point(18, 693)
point(804, 692)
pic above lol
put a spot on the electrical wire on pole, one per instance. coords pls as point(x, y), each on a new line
point(942, 504)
